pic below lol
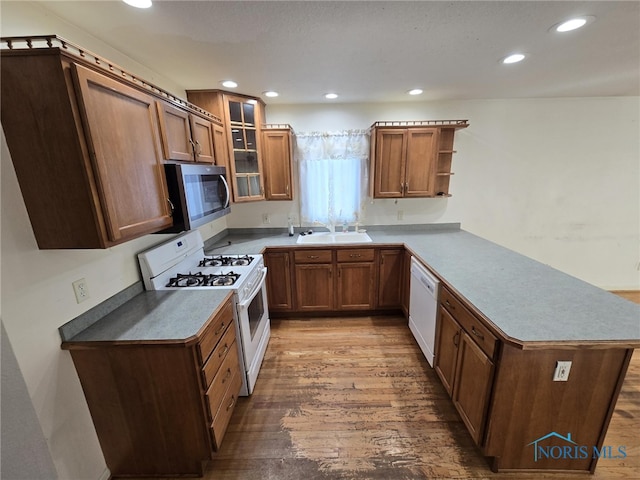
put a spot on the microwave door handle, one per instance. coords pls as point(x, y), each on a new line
point(226, 188)
point(258, 286)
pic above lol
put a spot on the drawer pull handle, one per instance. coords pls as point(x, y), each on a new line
point(476, 333)
point(233, 400)
point(224, 351)
point(355, 255)
point(226, 377)
point(313, 256)
point(455, 338)
point(446, 302)
point(217, 332)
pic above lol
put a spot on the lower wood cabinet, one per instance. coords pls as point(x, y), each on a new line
point(338, 279)
point(314, 279)
point(355, 287)
point(506, 396)
point(465, 369)
point(161, 408)
point(279, 285)
point(390, 278)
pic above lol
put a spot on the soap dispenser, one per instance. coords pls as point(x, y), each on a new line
point(290, 227)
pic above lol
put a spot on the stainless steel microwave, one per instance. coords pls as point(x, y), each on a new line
point(198, 194)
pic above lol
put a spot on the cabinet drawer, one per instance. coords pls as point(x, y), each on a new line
point(221, 420)
point(216, 392)
point(225, 345)
point(356, 255)
point(312, 256)
point(472, 325)
point(214, 332)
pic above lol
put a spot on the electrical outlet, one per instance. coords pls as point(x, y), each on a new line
point(266, 218)
point(561, 373)
point(81, 290)
point(400, 215)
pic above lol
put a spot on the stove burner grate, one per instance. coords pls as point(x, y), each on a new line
point(225, 261)
point(199, 279)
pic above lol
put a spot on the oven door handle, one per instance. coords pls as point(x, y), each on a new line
point(258, 286)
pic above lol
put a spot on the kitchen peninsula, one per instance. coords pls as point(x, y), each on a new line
point(533, 315)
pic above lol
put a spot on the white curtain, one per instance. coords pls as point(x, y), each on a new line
point(333, 176)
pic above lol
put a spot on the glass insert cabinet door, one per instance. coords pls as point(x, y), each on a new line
point(246, 166)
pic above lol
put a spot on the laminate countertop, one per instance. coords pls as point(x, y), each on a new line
point(157, 316)
point(526, 301)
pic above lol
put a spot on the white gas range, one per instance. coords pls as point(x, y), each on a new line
point(181, 263)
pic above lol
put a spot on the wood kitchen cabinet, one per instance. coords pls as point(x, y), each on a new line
point(338, 279)
point(314, 280)
point(279, 289)
point(409, 159)
point(465, 364)
point(185, 136)
point(390, 278)
point(277, 159)
point(84, 138)
point(243, 116)
point(161, 408)
point(355, 288)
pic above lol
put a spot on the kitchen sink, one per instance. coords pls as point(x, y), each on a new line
point(328, 238)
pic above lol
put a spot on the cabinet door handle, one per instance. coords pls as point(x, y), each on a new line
point(199, 150)
point(401, 187)
point(406, 187)
point(455, 338)
point(172, 207)
point(287, 189)
point(476, 333)
point(233, 400)
point(193, 145)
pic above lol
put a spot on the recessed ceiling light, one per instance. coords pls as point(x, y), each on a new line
point(573, 24)
point(270, 93)
point(138, 3)
point(331, 96)
point(514, 58)
point(229, 84)
point(415, 91)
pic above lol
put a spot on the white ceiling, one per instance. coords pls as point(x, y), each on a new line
point(375, 51)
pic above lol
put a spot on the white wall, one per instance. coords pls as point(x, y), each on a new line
point(554, 179)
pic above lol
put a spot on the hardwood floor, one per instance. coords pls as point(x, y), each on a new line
point(356, 399)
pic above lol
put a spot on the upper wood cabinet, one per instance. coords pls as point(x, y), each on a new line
point(86, 150)
point(185, 136)
point(243, 117)
point(276, 157)
point(412, 159)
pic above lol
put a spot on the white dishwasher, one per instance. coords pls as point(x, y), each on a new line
point(423, 307)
